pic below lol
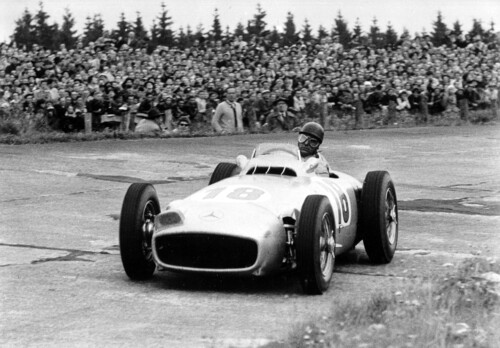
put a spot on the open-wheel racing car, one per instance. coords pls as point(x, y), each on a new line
point(261, 215)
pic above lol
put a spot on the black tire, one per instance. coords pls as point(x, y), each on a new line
point(379, 222)
point(222, 171)
point(315, 244)
point(140, 205)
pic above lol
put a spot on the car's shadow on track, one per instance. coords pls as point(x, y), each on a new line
point(287, 283)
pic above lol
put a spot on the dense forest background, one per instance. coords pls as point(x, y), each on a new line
point(38, 28)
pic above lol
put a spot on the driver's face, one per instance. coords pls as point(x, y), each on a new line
point(307, 145)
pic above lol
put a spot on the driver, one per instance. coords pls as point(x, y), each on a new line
point(310, 138)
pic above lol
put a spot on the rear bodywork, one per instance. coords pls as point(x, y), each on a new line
point(245, 224)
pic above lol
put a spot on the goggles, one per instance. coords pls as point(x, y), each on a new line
point(304, 139)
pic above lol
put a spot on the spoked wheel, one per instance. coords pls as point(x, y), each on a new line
point(379, 217)
point(140, 206)
point(316, 244)
point(391, 217)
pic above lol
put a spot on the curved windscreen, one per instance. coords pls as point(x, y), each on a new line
point(272, 148)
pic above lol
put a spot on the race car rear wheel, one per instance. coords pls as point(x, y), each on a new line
point(222, 171)
point(315, 244)
point(139, 208)
point(379, 217)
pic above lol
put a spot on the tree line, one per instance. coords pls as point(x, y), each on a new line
point(35, 28)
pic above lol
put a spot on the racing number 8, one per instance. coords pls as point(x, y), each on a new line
point(246, 193)
point(241, 193)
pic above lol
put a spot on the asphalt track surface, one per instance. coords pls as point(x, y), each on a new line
point(61, 278)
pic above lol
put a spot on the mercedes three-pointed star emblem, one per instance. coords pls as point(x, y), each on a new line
point(212, 215)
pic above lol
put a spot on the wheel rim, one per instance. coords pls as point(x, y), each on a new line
point(391, 217)
point(147, 217)
point(326, 247)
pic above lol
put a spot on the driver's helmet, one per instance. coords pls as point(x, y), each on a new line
point(313, 129)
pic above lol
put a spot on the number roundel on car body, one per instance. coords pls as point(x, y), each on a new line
point(233, 193)
point(343, 202)
point(344, 206)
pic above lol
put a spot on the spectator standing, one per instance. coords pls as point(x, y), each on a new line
point(390, 102)
point(263, 106)
point(414, 100)
point(491, 98)
point(228, 117)
point(281, 119)
point(463, 104)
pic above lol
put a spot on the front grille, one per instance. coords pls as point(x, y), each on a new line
point(203, 251)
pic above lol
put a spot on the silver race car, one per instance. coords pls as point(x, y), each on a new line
point(265, 214)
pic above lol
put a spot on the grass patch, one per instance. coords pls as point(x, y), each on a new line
point(460, 309)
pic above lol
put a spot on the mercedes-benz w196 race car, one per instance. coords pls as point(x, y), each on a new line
point(265, 214)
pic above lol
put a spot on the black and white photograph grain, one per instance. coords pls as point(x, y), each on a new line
point(250, 173)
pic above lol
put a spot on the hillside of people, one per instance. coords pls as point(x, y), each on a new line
point(132, 80)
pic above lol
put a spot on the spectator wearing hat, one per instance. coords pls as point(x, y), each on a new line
point(228, 116)
point(281, 119)
point(150, 124)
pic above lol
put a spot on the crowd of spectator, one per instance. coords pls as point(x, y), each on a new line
point(119, 85)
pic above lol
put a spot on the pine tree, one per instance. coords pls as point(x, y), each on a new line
point(274, 36)
point(123, 27)
point(307, 32)
point(182, 40)
point(24, 32)
point(139, 30)
point(289, 32)
point(490, 35)
point(374, 35)
point(240, 31)
point(189, 36)
point(200, 33)
point(342, 31)
point(67, 35)
point(390, 36)
point(165, 33)
point(216, 32)
point(227, 34)
point(257, 26)
point(405, 35)
point(153, 43)
point(44, 33)
point(477, 29)
point(94, 29)
point(457, 29)
point(438, 35)
point(322, 33)
point(357, 33)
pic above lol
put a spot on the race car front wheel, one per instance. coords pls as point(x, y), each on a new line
point(222, 171)
point(315, 244)
point(379, 217)
point(139, 208)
